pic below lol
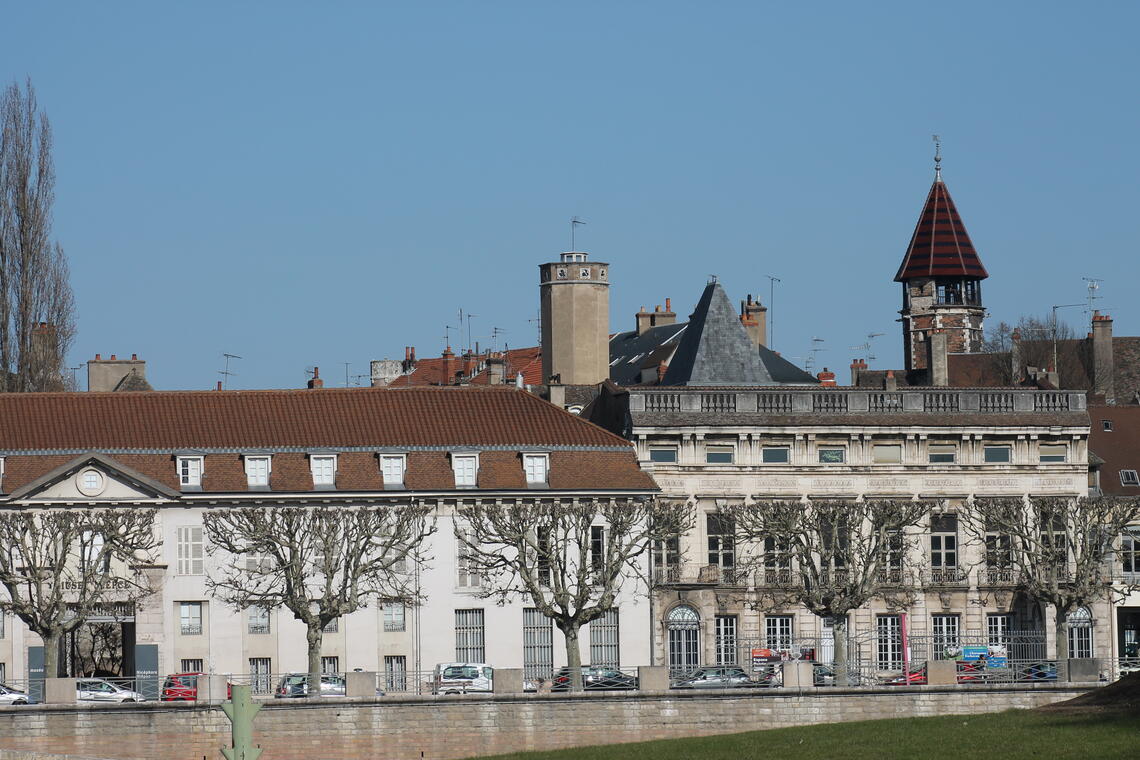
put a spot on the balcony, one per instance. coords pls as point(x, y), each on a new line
point(700, 576)
point(946, 577)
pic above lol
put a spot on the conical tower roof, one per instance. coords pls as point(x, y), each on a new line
point(940, 246)
point(716, 349)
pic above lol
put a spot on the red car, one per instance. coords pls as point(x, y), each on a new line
point(181, 687)
point(968, 672)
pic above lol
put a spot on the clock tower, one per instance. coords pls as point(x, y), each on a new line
point(575, 295)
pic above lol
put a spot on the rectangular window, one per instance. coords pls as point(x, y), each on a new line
point(945, 636)
point(395, 672)
point(190, 618)
point(190, 549)
point(258, 620)
point(1129, 558)
point(2, 616)
point(260, 675)
point(333, 626)
point(944, 547)
point(722, 544)
point(997, 630)
point(535, 466)
point(330, 666)
point(776, 455)
point(996, 454)
point(886, 453)
point(893, 551)
point(663, 454)
point(725, 630)
point(597, 548)
point(324, 469)
point(466, 467)
point(1106, 425)
point(605, 650)
point(667, 560)
point(393, 467)
point(1053, 452)
point(469, 642)
point(190, 472)
point(941, 453)
point(719, 454)
point(778, 632)
point(393, 616)
point(91, 552)
point(999, 557)
point(538, 645)
point(777, 561)
point(192, 665)
point(888, 642)
point(1129, 478)
point(258, 563)
point(542, 561)
point(832, 455)
point(467, 572)
point(257, 471)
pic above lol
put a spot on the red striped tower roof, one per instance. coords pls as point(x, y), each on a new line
point(940, 246)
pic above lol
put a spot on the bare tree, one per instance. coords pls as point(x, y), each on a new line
point(320, 563)
point(1058, 549)
point(567, 557)
point(60, 566)
point(837, 554)
point(37, 309)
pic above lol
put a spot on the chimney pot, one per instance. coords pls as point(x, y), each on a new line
point(98, 357)
point(668, 306)
point(134, 357)
point(112, 357)
point(219, 385)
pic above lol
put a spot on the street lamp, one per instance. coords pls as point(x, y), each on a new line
point(1061, 306)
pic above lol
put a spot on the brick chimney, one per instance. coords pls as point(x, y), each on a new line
point(857, 366)
point(754, 317)
point(1103, 369)
point(826, 378)
point(662, 368)
point(316, 381)
point(409, 360)
point(644, 320)
point(938, 363)
point(447, 369)
point(496, 369)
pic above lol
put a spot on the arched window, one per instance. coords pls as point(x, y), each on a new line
point(684, 627)
point(1080, 633)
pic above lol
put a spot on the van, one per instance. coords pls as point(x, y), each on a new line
point(463, 678)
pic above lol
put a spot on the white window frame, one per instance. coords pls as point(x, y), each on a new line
point(253, 478)
point(724, 632)
point(536, 467)
point(779, 632)
point(330, 665)
point(1, 474)
point(944, 630)
point(258, 621)
point(393, 468)
point(190, 546)
point(1129, 478)
point(470, 635)
point(465, 576)
point(470, 460)
point(888, 642)
point(941, 450)
point(670, 449)
point(394, 617)
point(1080, 622)
point(192, 665)
point(188, 613)
point(720, 448)
point(323, 474)
point(190, 476)
point(1058, 452)
point(878, 449)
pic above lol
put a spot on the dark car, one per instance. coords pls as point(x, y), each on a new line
point(719, 677)
point(1038, 671)
point(181, 687)
point(297, 685)
point(594, 679)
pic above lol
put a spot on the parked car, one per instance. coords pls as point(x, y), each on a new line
point(98, 690)
point(10, 696)
point(594, 679)
point(293, 685)
point(822, 675)
point(719, 677)
point(181, 687)
point(968, 672)
point(463, 678)
point(1038, 671)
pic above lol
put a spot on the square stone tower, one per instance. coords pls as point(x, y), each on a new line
point(575, 295)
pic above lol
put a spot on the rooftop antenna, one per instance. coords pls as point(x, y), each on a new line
point(74, 378)
point(1093, 286)
point(813, 351)
point(495, 333)
point(345, 374)
point(867, 346)
point(537, 322)
point(225, 373)
point(469, 343)
point(447, 334)
point(574, 222)
point(771, 297)
point(937, 158)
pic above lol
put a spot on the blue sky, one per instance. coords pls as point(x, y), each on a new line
point(311, 184)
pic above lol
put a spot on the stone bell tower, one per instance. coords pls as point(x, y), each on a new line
point(575, 294)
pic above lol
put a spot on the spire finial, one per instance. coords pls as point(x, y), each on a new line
point(937, 158)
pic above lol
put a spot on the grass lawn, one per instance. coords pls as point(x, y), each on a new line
point(996, 736)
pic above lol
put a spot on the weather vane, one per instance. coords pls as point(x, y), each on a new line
point(574, 222)
point(937, 158)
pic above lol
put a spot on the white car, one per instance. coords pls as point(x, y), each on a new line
point(10, 696)
point(98, 690)
point(463, 678)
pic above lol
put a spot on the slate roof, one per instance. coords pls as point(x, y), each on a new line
point(940, 245)
point(862, 419)
point(1119, 448)
point(716, 349)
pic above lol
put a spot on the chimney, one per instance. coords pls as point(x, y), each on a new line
point(558, 395)
point(826, 378)
point(754, 317)
point(890, 383)
point(112, 374)
point(666, 316)
point(496, 369)
point(1103, 369)
point(447, 370)
point(316, 382)
point(219, 385)
point(857, 366)
point(644, 321)
point(938, 362)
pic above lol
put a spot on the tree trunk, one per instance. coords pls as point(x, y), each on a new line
point(573, 657)
point(1061, 622)
point(839, 645)
point(51, 654)
point(314, 636)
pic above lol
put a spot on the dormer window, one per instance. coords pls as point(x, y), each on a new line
point(257, 471)
point(536, 467)
point(323, 467)
point(190, 472)
point(392, 467)
point(466, 468)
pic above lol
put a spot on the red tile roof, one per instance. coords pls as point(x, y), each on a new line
point(940, 246)
point(528, 361)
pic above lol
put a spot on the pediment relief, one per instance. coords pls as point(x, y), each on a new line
point(93, 478)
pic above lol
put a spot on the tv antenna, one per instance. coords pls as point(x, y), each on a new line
point(74, 378)
point(537, 322)
point(225, 373)
point(810, 362)
point(771, 297)
point(1093, 286)
point(447, 334)
point(345, 374)
point(867, 346)
point(574, 222)
point(495, 333)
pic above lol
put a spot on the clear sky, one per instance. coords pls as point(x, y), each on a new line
point(317, 183)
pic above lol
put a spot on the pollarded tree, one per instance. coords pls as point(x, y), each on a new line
point(835, 555)
point(320, 563)
point(59, 566)
point(569, 557)
point(1059, 549)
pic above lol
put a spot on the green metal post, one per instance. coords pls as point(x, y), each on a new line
point(240, 710)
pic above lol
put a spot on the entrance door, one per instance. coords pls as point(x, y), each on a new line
point(684, 627)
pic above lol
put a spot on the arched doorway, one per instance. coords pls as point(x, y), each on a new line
point(1080, 633)
point(684, 629)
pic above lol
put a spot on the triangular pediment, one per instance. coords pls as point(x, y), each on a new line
point(92, 478)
